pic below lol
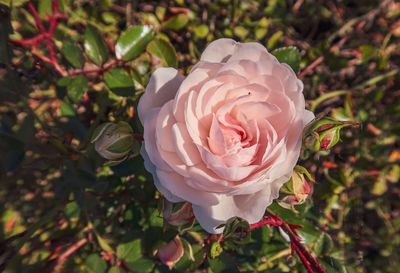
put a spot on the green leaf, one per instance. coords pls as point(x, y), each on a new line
point(185, 264)
point(177, 22)
point(130, 251)
point(44, 7)
point(72, 210)
point(73, 53)
point(95, 264)
point(215, 250)
point(289, 55)
point(77, 88)
point(274, 39)
point(201, 31)
point(164, 51)
point(103, 243)
point(133, 41)
point(332, 265)
point(367, 52)
point(95, 46)
point(120, 82)
point(67, 110)
point(223, 264)
point(241, 32)
point(323, 245)
point(141, 266)
point(115, 269)
point(237, 229)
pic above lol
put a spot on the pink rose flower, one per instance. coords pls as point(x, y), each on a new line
point(226, 137)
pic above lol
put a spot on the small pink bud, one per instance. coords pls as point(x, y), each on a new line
point(180, 216)
point(300, 189)
point(171, 253)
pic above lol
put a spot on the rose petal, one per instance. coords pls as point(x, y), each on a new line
point(250, 207)
point(175, 184)
point(184, 147)
point(308, 117)
point(164, 123)
point(150, 143)
point(162, 87)
point(152, 169)
point(219, 51)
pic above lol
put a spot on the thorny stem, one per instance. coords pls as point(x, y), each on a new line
point(63, 257)
point(306, 258)
point(302, 258)
point(46, 36)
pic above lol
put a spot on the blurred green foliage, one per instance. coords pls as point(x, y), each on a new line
point(57, 197)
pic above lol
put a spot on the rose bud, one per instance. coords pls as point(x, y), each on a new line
point(300, 189)
point(177, 214)
point(323, 133)
point(171, 253)
point(113, 141)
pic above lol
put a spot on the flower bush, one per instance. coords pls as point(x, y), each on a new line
point(114, 160)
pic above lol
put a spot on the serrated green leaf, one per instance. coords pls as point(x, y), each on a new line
point(95, 264)
point(77, 88)
point(72, 53)
point(120, 82)
point(95, 46)
point(162, 50)
point(133, 41)
point(290, 56)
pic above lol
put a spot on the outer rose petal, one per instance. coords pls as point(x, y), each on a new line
point(162, 87)
point(152, 169)
point(219, 51)
point(250, 207)
point(308, 117)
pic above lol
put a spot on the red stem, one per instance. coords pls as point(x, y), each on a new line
point(62, 258)
point(302, 258)
point(30, 41)
point(37, 18)
point(306, 258)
